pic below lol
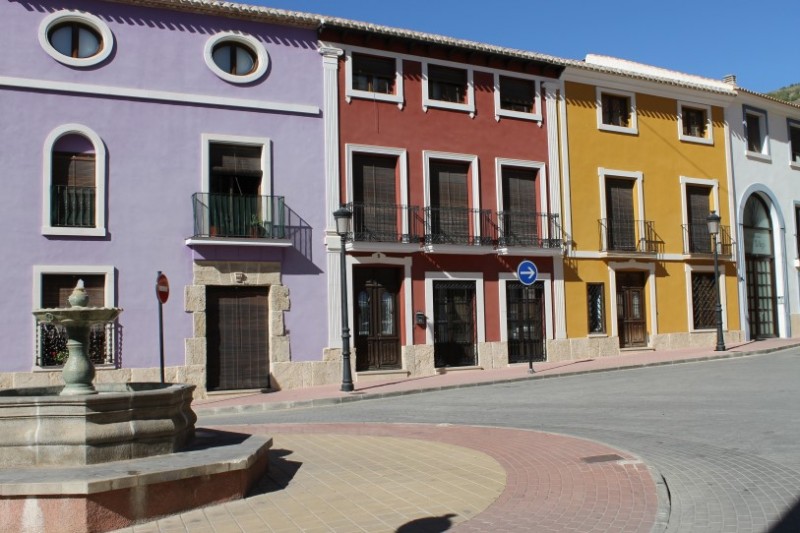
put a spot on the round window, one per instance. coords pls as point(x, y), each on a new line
point(236, 57)
point(75, 38)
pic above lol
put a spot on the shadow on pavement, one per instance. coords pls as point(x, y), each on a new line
point(790, 522)
point(279, 474)
point(433, 524)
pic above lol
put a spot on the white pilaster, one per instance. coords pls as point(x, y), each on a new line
point(330, 113)
point(552, 96)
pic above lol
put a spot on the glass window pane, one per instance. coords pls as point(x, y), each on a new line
point(387, 314)
point(61, 39)
point(363, 313)
point(244, 61)
point(88, 43)
point(222, 57)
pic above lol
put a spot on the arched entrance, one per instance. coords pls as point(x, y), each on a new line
point(759, 259)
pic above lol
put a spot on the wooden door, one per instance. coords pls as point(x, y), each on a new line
point(377, 328)
point(238, 338)
point(630, 309)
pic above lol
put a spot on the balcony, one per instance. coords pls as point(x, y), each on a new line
point(697, 241)
point(624, 236)
point(239, 217)
point(385, 223)
point(459, 226)
point(531, 230)
point(72, 207)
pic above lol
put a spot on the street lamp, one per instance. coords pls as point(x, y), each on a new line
point(713, 229)
point(343, 216)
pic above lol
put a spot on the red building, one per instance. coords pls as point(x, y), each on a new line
point(446, 153)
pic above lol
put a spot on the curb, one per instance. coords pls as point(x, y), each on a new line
point(325, 402)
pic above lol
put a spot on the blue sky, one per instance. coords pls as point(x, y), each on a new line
point(756, 41)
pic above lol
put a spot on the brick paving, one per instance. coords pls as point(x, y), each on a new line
point(418, 478)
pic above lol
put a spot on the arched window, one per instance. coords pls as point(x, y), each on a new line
point(74, 182)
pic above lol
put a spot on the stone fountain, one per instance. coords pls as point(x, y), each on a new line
point(86, 457)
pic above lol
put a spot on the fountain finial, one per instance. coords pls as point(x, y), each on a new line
point(78, 298)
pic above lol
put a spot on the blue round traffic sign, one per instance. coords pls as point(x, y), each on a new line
point(527, 272)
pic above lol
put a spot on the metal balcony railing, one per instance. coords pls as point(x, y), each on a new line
point(239, 216)
point(72, 207)
point(626, 235)
point(459, 225)
point(539, 230)
point(697, 240)
point(384, 223)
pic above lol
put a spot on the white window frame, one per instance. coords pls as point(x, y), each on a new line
point(468, 106)
point(764, 154)
point(266, 158)
point(67, 15)
point(709, 138)
point(477, 277)
point(792, 124)
point(712, 184)
point(402, 171)
point(633, 128)
point(706, 269)
point(504, 278)
point(246, 40)
point(350, 92)
point(99, 177)
point(541, 178)
point(77, 270)
point(635, 176)
point(536, 115)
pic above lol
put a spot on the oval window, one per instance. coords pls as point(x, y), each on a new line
point(75, 38)
point(236, 57)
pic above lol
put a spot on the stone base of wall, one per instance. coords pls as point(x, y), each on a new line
point(417, 361)
point(795, 322)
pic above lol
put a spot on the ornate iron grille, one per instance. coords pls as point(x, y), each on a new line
point(525, 311)
point(53, 344)
point(703, 300)
point(454, 332)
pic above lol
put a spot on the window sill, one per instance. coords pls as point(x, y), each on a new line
point(756, 156)
point(794, 166)
point(469, 107)
point(534, 117)
point(696, 140)
point(73, 232)
point(230, 241)
point(597, 335)
point(618, 129)
point(379, 97)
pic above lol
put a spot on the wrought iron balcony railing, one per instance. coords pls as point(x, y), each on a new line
point(72, 207)
point(626, 235)
point(539, 230)
point(384, 223)
point(459, 225)
point(238, 216)
point(697, 240)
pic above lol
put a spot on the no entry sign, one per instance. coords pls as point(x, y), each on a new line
point(162, 288)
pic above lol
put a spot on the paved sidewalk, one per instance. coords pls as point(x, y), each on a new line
point(453, 378)
point(420, 478)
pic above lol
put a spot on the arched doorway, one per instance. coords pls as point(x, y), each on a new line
point(759, 259)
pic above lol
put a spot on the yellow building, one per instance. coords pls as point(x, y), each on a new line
point(644, 163)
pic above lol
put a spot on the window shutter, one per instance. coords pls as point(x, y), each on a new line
point(75, 170)
point(374, 179)
point(56, 289)
point(449, 185)
point(519, 190)
point(236, 160)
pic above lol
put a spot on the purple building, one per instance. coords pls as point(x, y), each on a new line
point(185, 138)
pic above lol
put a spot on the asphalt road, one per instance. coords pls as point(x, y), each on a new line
point(725, 434)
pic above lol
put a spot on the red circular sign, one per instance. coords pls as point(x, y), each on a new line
point(162, 288)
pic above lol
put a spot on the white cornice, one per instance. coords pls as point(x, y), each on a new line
point(106, 91)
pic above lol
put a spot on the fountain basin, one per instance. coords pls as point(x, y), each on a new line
point(123, 421)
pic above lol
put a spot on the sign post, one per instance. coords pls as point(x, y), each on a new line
point(527, 274)
point(162, 293)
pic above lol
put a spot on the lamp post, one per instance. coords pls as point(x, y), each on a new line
point(713, 229)
point(342, 216)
